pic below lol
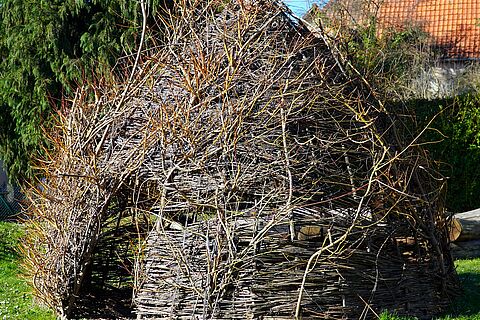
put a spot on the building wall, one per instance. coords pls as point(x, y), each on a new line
point(3, 178)
point(10, 196)
point(446, 79)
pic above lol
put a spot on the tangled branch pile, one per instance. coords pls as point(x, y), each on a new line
point(240, 174)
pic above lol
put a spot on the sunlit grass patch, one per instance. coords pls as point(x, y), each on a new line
point(16, 301)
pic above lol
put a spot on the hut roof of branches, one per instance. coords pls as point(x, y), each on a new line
point(240, 173)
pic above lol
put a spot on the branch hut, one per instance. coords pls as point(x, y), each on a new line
point(242, 174)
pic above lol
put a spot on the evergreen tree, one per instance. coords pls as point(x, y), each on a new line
point(46, 47)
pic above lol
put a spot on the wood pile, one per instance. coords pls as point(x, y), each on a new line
point(243, 172)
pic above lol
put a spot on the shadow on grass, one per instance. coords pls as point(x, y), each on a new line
point(468, 303)
point(9, 240)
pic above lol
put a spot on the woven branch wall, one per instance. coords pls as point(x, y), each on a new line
point(251, 270)
point(242, 173)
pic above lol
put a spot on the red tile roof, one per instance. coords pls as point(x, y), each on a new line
point(453, 25)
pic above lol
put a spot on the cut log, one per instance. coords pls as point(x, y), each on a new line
point(470, 225)
point(311, 232)
point(454, 229)
point(465, 249)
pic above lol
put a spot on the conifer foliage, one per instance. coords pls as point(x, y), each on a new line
point(47, 48)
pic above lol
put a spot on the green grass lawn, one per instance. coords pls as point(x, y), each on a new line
point(16, 301)
point(467, 307)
